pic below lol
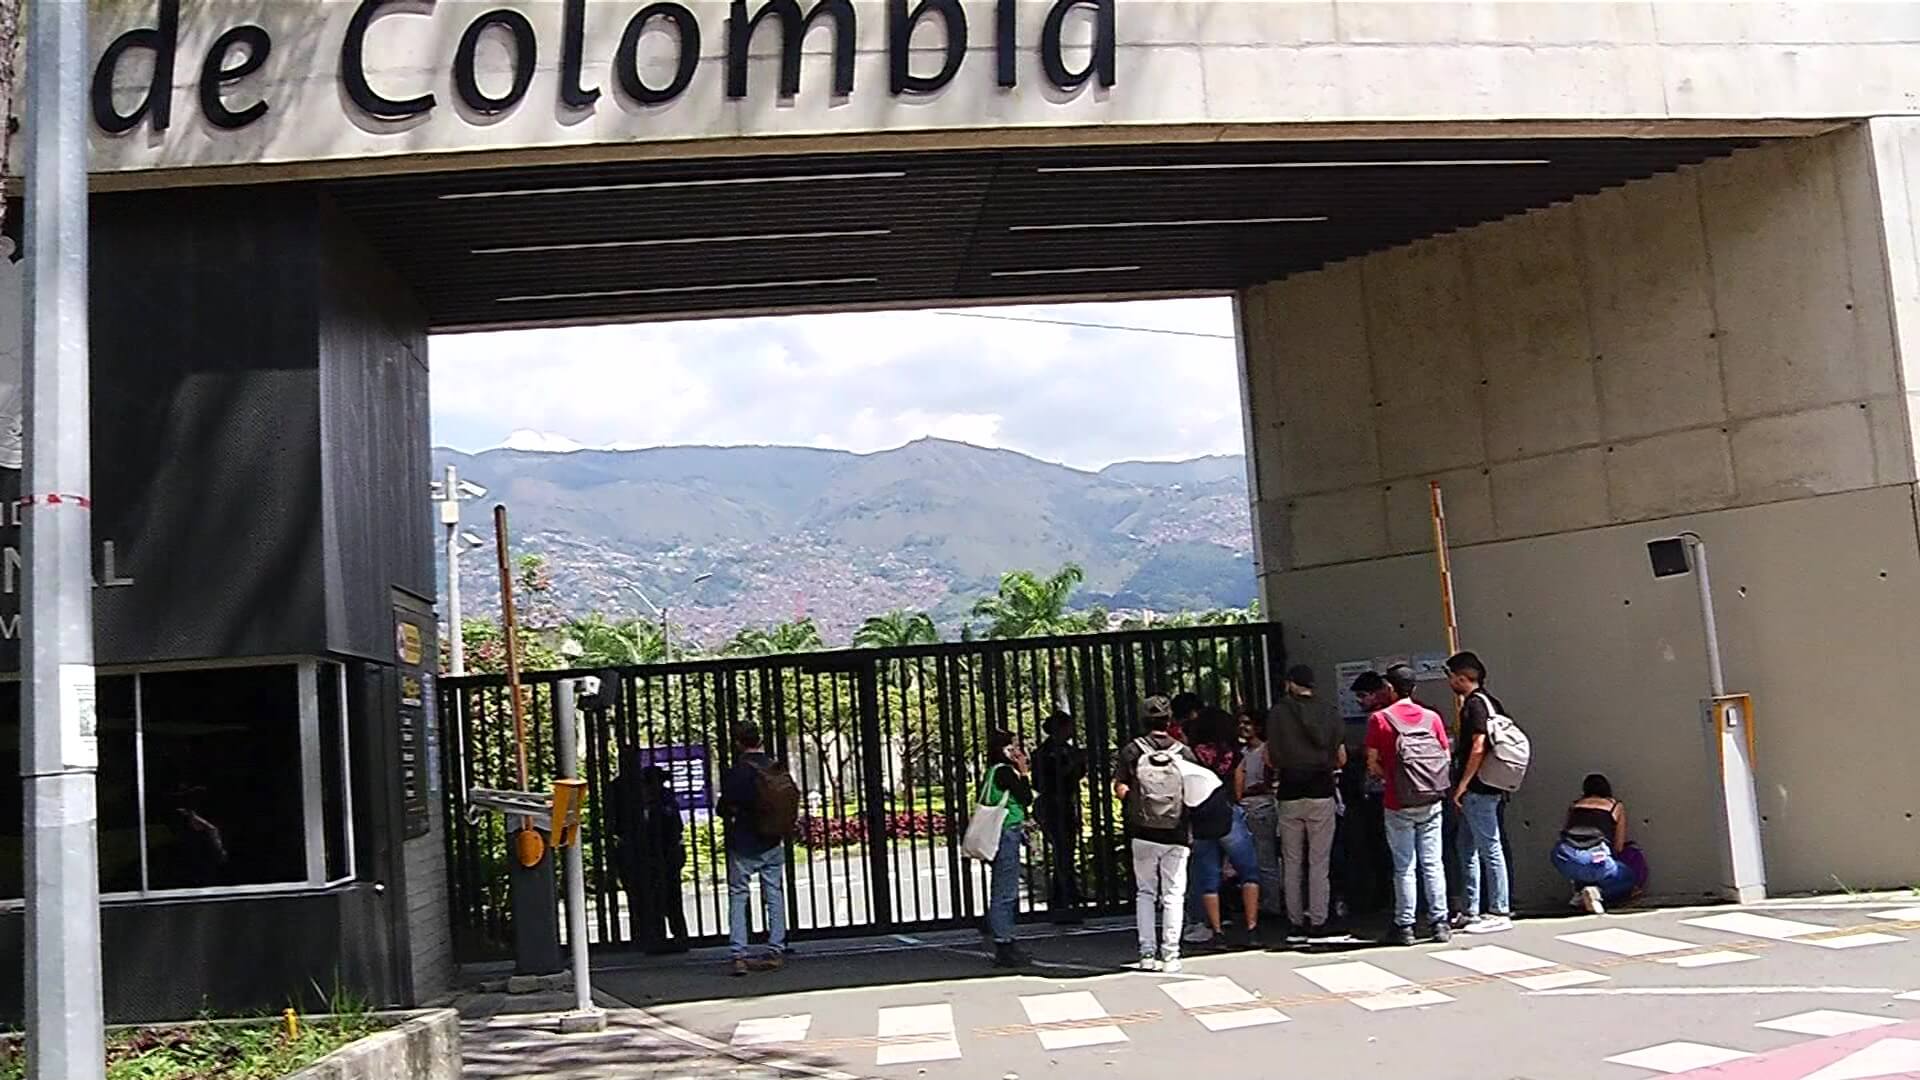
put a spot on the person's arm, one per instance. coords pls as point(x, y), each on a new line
point(1340, 755)
point(1619, 826)
point(1240, 781)
point(1376, 737)
point(1123, 772)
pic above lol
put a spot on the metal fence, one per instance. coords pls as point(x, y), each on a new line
point(886, 745)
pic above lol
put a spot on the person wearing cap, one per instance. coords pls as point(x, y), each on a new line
point(1160, 854)
point(1305, 751)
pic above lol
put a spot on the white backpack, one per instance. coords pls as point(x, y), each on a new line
point(1503, 766)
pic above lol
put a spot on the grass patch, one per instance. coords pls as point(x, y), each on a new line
point(251, 1051)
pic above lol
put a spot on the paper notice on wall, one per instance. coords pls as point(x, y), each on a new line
point(1430, 666)
point(79, 723)
point(1343, 676)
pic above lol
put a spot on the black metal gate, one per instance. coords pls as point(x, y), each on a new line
point(886, 744)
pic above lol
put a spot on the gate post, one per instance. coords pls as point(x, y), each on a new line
point(873, 779)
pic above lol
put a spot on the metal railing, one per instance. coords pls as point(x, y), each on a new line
point(885, 744)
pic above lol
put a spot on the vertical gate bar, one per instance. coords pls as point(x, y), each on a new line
point(872, 746)
point(947, 702)
point(916, 774)
point(591, 761)
point(881, 795)
point(966, 737)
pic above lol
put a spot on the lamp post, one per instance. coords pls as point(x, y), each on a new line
point(450, 493)
point(666, 626)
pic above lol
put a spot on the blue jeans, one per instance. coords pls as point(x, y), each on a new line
point(1594, 866)
point(770, 866)
point(1481, 850)
point(1414, 839)
point(1003, 885)
point(1235, 847)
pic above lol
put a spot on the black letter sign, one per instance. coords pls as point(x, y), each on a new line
point(626, 59)
point(1050, 47)
point(353, 69)
point(164, 41)
point(571, 92)
point(900, 26)
point(1005, 57)
point(215, 73)
point(467, 82)
point(793, 30)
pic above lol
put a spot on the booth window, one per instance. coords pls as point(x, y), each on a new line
point(227, 779)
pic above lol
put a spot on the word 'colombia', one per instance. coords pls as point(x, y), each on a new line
point(241, 51)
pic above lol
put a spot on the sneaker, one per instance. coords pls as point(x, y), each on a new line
point(1462, 921)
point(1442, 933)
point(1590, 900)
point(740, 966)
point(1399, 935)
point(1008, 955)
point(1321, 931)
point(1147, 963)
point(1492, 924)
point(1171, 965)
point(1198, 934)
point(773, 961)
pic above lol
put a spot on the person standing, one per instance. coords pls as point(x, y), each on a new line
point(1483, 853)
point(1147, 780)
point(1220, 835)
point(755, 851)
point(1306, 752)
point(1254, 785)
point(1186, 712)
point(649, 853)
point(1006, 781)
point(1059, 770)
point(1407, 749)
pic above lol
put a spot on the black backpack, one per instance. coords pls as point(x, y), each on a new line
point(1213, 818)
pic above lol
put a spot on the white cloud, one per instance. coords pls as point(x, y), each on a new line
point(862, 382)
point(544, 441)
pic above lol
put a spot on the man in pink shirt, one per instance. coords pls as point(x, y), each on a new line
point(1407, 749)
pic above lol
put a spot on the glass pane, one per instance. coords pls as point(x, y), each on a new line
point(223, 777)
point(118, 800)
point(333, 734)
point(119, 795)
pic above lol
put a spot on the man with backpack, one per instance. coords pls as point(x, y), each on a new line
point(1407, 749)
point(1149, 783)
point(1492, 757)
point(760, 804)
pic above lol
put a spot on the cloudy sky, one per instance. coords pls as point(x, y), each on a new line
point(1081, 395)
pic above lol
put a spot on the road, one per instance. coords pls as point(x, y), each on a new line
point(1779, 992)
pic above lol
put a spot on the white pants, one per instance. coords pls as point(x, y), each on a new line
point(1306, 848)
point(1159, 886)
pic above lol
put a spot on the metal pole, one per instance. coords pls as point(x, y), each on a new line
point(455, 641)
point(565, 726)
point(1438, 508)
point(1715, 675)
point(65, 1037)
point(510, 627)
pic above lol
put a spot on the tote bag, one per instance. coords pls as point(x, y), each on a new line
point(989, 820)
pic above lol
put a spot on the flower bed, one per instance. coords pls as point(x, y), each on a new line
point(844, 829)
point(345, 1045)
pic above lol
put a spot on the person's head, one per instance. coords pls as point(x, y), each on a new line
point(1465, 673)
point(1253, 729)
point(1059, 725)
point(999, 740)
point(1596, 786)
point(1156, 713)
point(1211, 726)
point(1300, 681)
point(1371, 690)
point(1401, 680)
point(746, 736)
point(1186, 706)
point(630, 761)
point(653, 780)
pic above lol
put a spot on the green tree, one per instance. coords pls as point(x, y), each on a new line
point(605, 643)
point(896, 629)
point(1028, 605)
point(800, 635)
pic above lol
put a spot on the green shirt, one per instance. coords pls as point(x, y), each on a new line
point(993, 794)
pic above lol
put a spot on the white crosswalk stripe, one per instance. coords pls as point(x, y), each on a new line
point(772, 1030)
point(1678, 1057)
point(1905, 914)
point(1236, 1004)
point(917, 1033)
point(1827, 1023)
point(1769, 928)
point(1371, 988)
point(1635, 944)
point(1518, 968)
point(1078, 1006)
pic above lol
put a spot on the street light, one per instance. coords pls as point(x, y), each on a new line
point(450, 493)
point(666, 627)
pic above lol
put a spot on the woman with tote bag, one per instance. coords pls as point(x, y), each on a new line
point(1005, 794)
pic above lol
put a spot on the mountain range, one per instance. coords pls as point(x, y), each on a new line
point(726, 537)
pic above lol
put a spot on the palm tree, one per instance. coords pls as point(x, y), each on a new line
point(800, 635)
point(896, 629)
point(1029, 606)
point(605, 643)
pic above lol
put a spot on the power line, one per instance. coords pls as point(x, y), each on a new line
point(1085, 325)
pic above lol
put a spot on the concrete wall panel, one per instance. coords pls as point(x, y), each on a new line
point(1323, 383)
point(1800, 454)
point(1326, 528)
point(1425, 374)
point(1530, 330)
point(1550, 494)
point(1468, 496)
point(1667, 474)
point(1651, 307)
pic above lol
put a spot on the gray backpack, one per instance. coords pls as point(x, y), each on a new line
point(1422, 768)
point(1503, 765)
point(1159, 800)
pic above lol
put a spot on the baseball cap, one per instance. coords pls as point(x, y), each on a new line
point(1300, 675)
point(1158, 705)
